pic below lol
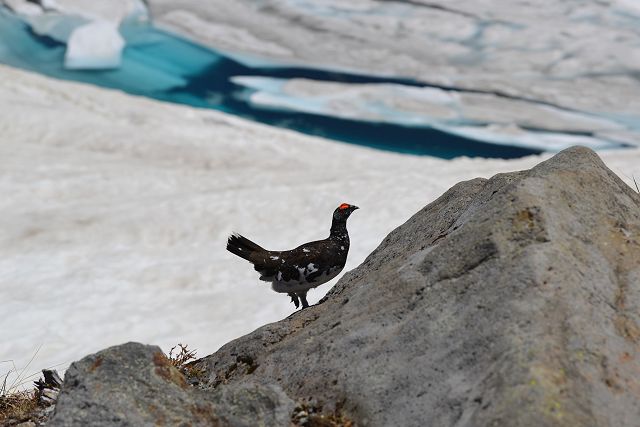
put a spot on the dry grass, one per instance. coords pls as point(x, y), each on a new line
point(180, 355)
point(19, 406)
point(17, 402)
point(182, 358)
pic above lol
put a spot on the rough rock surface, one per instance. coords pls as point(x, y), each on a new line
point(508, 301)
point(513, 301)
point(136, 385)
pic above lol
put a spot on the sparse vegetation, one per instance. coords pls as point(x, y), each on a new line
point(182, 358)
point(18, 403)
point(180, 355)
point(18, 406)
point(15, 403)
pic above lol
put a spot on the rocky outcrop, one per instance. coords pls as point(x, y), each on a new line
point(136, 385)
point(511, 301)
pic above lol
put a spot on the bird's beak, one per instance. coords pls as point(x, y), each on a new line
point(354, 207)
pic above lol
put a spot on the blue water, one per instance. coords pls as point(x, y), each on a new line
point(160, 65)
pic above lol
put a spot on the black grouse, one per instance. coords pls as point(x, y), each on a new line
point(310, 265)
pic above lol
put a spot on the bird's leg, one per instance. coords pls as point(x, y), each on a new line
point(294, 299)
point(303, 298)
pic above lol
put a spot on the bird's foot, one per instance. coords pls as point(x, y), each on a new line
point(294, 299)
point(303, 298)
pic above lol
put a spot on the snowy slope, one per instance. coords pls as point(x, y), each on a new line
point(512, 64)
point(116, 210)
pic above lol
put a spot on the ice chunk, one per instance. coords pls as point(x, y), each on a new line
point(97, 45)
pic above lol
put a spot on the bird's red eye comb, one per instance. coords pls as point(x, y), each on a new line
point(344, 206)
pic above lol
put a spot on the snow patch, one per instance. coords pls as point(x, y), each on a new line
point(23, 7)
point(114, 11)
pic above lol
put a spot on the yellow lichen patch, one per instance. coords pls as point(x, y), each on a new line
point(551, 385)
point(525, 217)
point(529, 224)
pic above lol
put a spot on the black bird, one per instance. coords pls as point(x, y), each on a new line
point(310, 265)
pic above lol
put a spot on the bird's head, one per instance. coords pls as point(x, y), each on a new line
point(343, 211)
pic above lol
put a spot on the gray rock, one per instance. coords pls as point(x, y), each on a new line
point(136, 385)
point(513, 301)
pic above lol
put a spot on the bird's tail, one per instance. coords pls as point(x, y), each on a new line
point(242, 246)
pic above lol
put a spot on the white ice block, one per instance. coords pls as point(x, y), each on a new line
point(97, 45)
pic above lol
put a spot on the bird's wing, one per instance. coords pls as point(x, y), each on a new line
point(304, 263)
